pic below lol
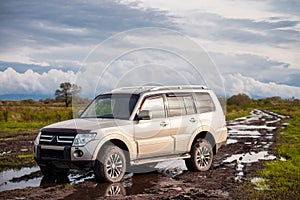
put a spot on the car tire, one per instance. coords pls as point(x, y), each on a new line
point(110, 165)
point(201, 156)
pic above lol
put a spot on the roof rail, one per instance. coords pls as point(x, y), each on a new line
point(156, 88)
point(179, 87)
point(133, 87)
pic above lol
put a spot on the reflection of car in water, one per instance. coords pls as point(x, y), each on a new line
point(135, 126)
point(104, 189)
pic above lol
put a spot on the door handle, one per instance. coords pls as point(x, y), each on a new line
point(193, 120)
point(163, 124)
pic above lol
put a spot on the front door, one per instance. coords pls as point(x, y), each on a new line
point(153, 136)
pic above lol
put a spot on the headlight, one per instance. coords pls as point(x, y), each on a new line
point(37, 139)
point(82, 139)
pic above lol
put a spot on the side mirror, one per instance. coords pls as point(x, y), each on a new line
point(145, 115)
point(79, 113)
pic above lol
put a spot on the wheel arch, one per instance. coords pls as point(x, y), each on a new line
point(116, 140)
point(207, 135)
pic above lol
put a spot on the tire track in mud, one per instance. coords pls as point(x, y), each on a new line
point(249, 144)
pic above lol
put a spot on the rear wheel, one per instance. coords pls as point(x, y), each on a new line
point(201, 156)
point(110, 165)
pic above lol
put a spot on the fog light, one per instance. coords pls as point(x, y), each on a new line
point(78, 153)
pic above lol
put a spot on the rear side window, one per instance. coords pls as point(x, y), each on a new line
point(176, 106)
point(180, 104)
point(189, 105)
point(204, 103)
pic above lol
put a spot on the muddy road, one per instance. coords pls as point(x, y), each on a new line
point(249, 144)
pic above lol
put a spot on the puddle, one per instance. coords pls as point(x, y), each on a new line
point(250, 157)
point(231, 141)
point(259, 126)
point(19, 179)
point(132, 184)
point(251, 127)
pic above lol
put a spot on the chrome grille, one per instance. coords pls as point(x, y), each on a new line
point(58, 139)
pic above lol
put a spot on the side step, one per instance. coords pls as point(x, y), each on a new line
point(159, 159)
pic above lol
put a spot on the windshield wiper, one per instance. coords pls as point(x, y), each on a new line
point(107, 116)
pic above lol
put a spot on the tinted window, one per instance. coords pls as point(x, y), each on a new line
point(189, 105)
point(176, 106)
point(155, 105)
point(204, 103)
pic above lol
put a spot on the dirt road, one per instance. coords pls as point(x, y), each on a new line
point(249, 145)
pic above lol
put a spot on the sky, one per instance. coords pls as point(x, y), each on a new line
point(253, 45)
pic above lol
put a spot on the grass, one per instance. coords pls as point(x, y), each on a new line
point(234, 111)
point(25, 156)
point(10, 128)
point(284, 176)
point(21, 123)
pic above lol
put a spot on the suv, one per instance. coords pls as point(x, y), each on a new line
point(135, 126)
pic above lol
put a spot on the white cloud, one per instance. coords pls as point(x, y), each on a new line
point(242, 9)
point(31, 82)
point(262, 36)
point(236, 83)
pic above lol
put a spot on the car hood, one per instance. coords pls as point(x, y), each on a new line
point(88, 124)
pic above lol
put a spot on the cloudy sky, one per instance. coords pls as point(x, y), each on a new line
point(254, 44)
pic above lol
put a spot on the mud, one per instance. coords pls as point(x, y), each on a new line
point(249, 145)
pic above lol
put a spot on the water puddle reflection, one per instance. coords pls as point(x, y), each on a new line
point(19, 179)
point(255, 131)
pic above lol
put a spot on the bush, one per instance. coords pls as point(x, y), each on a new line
point(239, 100)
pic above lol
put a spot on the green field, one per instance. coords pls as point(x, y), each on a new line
point(283, 177)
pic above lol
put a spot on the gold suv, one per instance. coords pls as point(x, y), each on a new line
point(135, 126)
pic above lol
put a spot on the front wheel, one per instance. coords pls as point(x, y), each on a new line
point(110, 164)
point(201, 156)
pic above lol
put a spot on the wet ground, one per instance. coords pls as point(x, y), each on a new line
point(249, 145)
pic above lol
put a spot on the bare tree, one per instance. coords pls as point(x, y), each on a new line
point(66, 92)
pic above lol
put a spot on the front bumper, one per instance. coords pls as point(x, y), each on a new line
point(62, 157)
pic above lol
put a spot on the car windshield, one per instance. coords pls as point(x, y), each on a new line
point(117, 106)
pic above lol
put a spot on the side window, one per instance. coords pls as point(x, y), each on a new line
point(155, 105)
point(189, 105)
point(176, 106)
point(204, 103)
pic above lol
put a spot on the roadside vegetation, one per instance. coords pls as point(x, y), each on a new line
point(281, 178)
point(20, 122)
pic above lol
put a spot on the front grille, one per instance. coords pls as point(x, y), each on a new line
point(58, 137)
point(57, 140)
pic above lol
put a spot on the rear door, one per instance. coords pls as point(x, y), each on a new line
point(183, 118)
point(153, 136)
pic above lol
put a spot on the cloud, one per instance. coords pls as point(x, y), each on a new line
point(261, 68)
point(237, 83)
point(144, 56)
point(31, 82)
point(31, 28)
point(253, 42)
point(264, 28)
